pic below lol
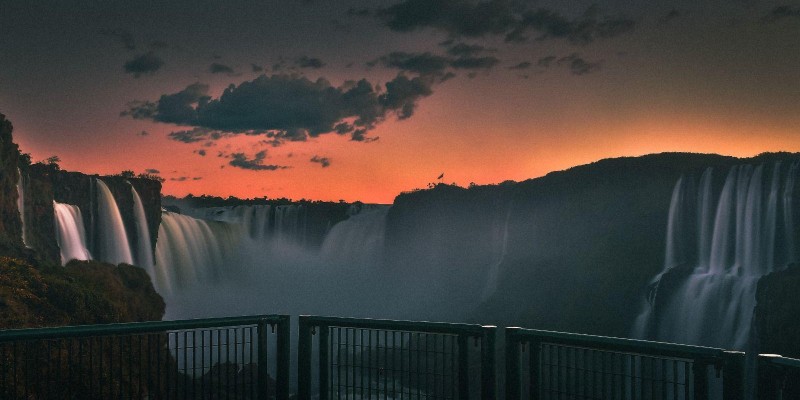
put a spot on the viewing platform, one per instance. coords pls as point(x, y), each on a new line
point(314, 357)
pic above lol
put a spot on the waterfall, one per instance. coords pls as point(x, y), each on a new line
point(499, 251)
point(357, 240)
point(144, 253)
point(712, 294)
point(112, 241)
point(192, 251)
point(21, 205)
point(70, 233)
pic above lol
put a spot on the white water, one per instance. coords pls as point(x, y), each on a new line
point(144, 251)
point(112, 241)
point(725, 256)
point(357, 240)
point(21, 204)
point(70, 233)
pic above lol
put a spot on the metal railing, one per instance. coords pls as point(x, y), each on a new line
point(203, 358)
point(778, 377)
point(566, 365)
point(385, 359)
point(248, 358)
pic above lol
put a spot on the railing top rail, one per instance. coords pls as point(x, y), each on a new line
point(136, 327)
point(387, 324)
point(781, 360)
point(619, 344)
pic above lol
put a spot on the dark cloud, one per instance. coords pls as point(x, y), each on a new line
point(310, 62)
point(217, 68)
point(197, 178)
point(427, 64)
point(782, 12)
point(143, 133)
point(323, 161)
point(465, 50)
point(256, 67)
point(284, 108)
point(457, 17)
point(550, 24)
point(123, 36)
point(501, 17)
point(201, 152)
point(419, 63)
point(577, 65)
point(180, 179)
point(152, 171)
point(522, 65)
point(474, 62)
point(240, 160)
point(144, 64)
point(545, 62)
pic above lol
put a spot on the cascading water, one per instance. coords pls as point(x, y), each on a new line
point(715, 259)
point(192, 251)
point(357, 240)
point(144, 253)
point(21, 205)
point(70, 233)
point(499, 251)
point(112, 242)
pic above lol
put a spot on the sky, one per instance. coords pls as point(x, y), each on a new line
point(362, 100)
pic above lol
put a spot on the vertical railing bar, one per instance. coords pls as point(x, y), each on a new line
point(700, 380)
point(130, 365)
point(219, 362)
point(283, 354)
point(512, 365)
point(687, 380)
point(733, 375)
point(463, 367)
point(435, 365)
point(304, 359)
point(488, 375)
point(395, 368)
point(675, 382)
point(324, 362)
point(235, 362)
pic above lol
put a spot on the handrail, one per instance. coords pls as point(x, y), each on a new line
point(485, 334)
point(399, 325)
point(279, 324)
point(136, 327)
point(663, 349)
point(731, 362)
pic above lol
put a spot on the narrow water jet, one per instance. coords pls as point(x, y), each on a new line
point(112, 240)
point(70, 233)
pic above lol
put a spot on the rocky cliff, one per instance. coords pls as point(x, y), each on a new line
point(10, 223)
point(574, 250)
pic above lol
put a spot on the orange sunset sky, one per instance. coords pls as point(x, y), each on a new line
point(482, 91)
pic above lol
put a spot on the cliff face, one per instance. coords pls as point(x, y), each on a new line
point(574, 250)
point(84, 292)
point(10, 223)
point(43, 184)
point(777, 308)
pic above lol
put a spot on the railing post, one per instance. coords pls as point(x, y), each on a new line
point(304, 359)
point(463, 367)
point(512, 364)
point(283, 349)
point(770, 380)
point(488, 370)
point(733, 375)
point(263, 372)
point(700, 369)
point(535, 349)
point(324, 362)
